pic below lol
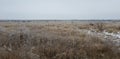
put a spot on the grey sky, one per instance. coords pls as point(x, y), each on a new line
point(59, 9)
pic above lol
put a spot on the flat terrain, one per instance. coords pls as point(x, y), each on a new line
point(60, 40)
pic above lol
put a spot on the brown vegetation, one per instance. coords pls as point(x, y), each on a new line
point(54, 41)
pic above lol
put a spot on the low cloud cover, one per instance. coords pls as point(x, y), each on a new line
point(59, 9)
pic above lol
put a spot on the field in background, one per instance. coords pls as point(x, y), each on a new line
point(59, 39)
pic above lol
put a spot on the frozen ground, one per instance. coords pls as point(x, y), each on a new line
point(110, 37)
point(59, 40)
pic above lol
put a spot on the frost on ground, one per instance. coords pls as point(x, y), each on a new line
point(113, 37)
point(59, 40)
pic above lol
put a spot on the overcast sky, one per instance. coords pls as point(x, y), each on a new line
point(59, 9)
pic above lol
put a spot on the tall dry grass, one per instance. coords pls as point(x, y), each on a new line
point(62, 41)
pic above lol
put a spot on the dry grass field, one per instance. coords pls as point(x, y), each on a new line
point(59, 40)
